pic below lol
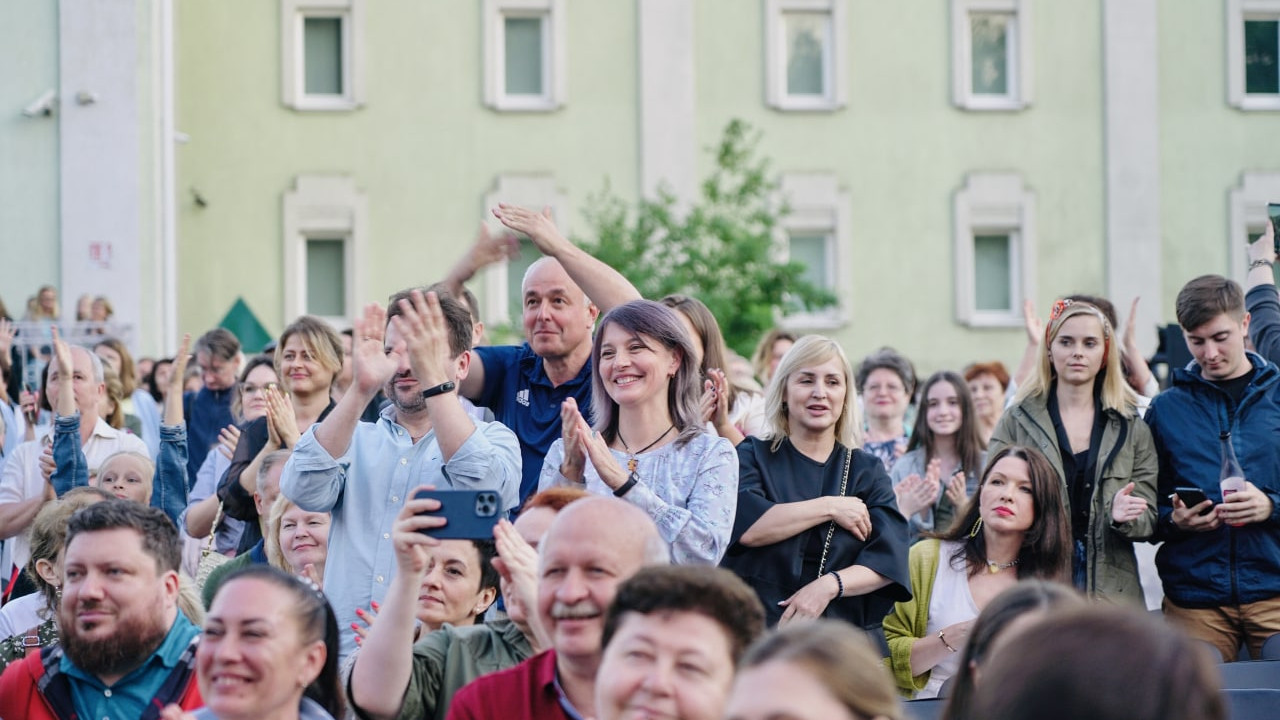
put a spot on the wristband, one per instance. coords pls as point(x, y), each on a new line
point(1260, 262)
point(625, 487)
point(839, 583)
point(440, 389)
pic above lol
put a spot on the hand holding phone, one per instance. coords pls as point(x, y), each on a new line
point(469, 514)
point(1191, 497)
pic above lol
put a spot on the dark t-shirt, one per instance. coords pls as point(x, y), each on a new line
point(521, 396)
point(1235, 389)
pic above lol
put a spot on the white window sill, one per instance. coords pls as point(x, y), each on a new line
point(325, 103)
point(989, 319)
point(993, 103)
point(833, 320)
point(1259, 102)
point(807, 104)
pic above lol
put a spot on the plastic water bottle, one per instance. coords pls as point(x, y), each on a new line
point(1231, 476)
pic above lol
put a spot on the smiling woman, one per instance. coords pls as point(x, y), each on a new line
point(269, 651)
point(818, 532)
point(648, 445)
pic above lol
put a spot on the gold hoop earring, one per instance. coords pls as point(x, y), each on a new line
point(977, 528)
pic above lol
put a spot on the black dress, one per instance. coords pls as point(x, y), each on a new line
point(778, 570)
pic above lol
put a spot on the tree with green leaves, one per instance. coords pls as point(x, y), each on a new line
point(722, 248)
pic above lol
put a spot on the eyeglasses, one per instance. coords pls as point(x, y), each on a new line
point(248, 389)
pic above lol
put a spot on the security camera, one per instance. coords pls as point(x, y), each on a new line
point(42, 105)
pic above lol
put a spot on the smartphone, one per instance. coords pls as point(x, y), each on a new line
point(1192, 497)
point(34, 412)
point(1273, 212)
point(471, 514)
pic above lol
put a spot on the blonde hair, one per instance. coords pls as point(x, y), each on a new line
point(808, 351)
point(271, 538)
point(1115, 392)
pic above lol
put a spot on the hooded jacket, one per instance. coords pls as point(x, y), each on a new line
point(1229, 565)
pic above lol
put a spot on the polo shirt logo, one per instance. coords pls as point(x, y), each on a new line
point(522, 397)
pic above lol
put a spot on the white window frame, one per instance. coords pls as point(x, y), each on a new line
point(994, 203)
point(1248, 216)
point(531, 191)
point(818, 205)
point(1237, 12)
point(1019, 66)
point(836, 70)
point(293, 15)
point(554, 62)
point(324, 207)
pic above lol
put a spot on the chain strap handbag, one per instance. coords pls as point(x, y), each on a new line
point(831, 528)
point(210, 558)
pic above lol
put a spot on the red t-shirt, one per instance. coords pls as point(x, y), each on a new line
point(527, 691)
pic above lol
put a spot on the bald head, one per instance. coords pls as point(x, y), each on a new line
point(557, 315)
point(591, 547)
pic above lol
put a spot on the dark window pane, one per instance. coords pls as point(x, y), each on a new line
point(990, 48)
point(322, 50)
point(1261, 50)
point(806, 52)
point(992, 257)
point(326, 278)
point(523, 51)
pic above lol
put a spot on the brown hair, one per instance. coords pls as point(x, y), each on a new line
point(714, 351)
point(1100, 662)
point(456, 317)
point(709, 591)
point(995, 368)
point(220, 343)
point(1207, 297)
point(128, 373)
point(969, 442)
point(1046, 546)
point(840, 657)
point(761, 358)
point(115, 393)
point(554, 498)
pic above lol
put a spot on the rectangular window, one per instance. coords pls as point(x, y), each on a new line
point(989, 34)
point(322, 52)
point(524, 41)
point(811, 249)
point(1262, 56)
point(516, 268)
point(993, 272)
point(524, 54)
point(326, 277)
point(991, 54)
point(805, 54)
point(808, 52)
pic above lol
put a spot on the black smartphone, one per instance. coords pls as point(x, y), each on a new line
point(1192, 497)
point(471, 514)
point(1273, 212)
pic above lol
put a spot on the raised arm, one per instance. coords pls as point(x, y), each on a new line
point(385, 661)
point(1260, 296)
point(71, 469)
point(426, 337)
point(606, 287)
point(1035, 333)
point(487, 249)
point(371, 367)
point(169, 486)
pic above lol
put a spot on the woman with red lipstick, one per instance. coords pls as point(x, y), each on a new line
point(818, 533)
point(1015, 527)
point(946, 453)
point(649, 445)
point(1080, 409)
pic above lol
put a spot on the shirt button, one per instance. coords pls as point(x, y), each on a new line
point(395, 499)
point(386, 536)
point(107, 692)
point(404, 461)
point(379, 578)
point(399, 431)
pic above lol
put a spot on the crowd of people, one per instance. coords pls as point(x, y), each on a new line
point(666, 529)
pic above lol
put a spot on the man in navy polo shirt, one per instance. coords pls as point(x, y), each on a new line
point(563, 294)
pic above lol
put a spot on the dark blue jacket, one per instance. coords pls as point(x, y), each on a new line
point(1229, 565)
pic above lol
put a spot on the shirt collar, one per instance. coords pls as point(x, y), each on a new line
point(103, 430)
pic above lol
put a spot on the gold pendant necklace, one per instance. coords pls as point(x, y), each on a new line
point(994, 567)
point(632, 462)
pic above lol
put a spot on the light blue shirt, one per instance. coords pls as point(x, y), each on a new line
point(367, 487)
point(132, 694)
point(690, 491)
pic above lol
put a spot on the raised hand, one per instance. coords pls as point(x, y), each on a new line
point(173, 412)
point(282, 423)
point(572, 429)
point(228, 439)
point(367, 617)
point(66, 402)
point(957, 490)
point(1031, 322)
point(489, 248)
point(537, 225)
point(517, 564)
point(409, 541)
point(1126, 507)
point(914, 494)
point(371, 366)
point(426, 338)
point(7, 333)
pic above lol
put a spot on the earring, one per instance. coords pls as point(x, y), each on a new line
point(977, 528)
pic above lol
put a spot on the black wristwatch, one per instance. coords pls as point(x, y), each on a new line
point(440, 389)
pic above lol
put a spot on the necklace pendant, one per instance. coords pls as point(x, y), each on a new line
point(631, 464)
point(992, 568)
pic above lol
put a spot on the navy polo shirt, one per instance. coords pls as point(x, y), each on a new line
point(518, 391)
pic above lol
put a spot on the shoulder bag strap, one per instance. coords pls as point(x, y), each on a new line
point(831, 527)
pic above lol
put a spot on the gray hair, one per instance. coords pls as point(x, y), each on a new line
point(886, 358)
point(269, 462)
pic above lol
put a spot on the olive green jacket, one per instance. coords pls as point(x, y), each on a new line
point(1127, 454)
point(908, 620)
